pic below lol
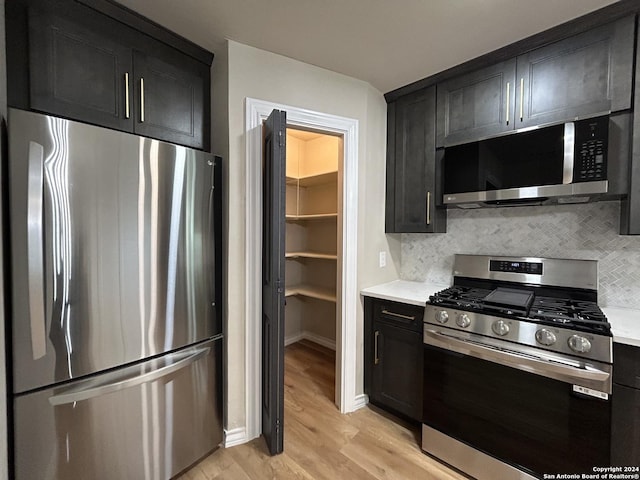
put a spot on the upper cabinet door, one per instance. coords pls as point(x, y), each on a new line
point(581, 76)
point(169, 99)
point(412, 178)
point(78, 72)
point(479, 104)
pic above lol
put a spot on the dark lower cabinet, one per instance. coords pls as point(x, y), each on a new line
point(625, 406)
point(413, 194)
point(393, 357)
point(625, 426)
point(83, 61)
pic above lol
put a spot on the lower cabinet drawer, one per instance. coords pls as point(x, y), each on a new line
point(399, 314)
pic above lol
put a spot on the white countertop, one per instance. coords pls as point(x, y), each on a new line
point(413, 293)
point(625, 322)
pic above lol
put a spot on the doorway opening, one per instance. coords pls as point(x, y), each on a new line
point(313, 263)
point(346, 283)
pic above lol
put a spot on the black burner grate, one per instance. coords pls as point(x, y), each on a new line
point(562, 312)
point(581, 315)
point(458, 296)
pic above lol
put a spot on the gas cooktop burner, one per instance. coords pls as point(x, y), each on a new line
point(458, 296)
point(523, 304)
point(582, 314)
point(542, 303)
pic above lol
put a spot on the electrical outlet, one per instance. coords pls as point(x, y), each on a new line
point(383, 259)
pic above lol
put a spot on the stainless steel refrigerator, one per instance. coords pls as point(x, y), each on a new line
point(115, 287)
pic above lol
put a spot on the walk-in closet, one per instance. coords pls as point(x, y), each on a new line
point(312, 237)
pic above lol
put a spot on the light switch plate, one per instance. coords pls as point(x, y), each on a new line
point(383, 259)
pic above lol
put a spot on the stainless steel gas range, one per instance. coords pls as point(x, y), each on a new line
point(518, 369)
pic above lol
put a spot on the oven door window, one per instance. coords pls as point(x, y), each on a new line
point(534, 423)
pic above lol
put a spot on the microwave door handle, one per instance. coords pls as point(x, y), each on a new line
point(569, 152)
point(539, 366)
point(35, 249)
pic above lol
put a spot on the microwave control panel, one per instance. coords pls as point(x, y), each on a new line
point(590, 153)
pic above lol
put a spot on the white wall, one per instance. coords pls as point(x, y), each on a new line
point(262, 75)
point(220, 146)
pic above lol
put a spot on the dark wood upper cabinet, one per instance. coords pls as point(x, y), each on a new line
point(630, 205)
point(413, 187)
point(170, 99)
point(581, 76)
point(86, 62)
point(480, 104)
point(76, 71)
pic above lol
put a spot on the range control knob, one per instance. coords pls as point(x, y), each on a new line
point(463, 320)
point(545, 337)
point(579, 344)
point(500, 327)
point(442, 316)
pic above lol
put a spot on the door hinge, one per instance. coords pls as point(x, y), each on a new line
point(280, 139)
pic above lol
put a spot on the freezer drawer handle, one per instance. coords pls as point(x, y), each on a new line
point(78, 395)
point(35, 260)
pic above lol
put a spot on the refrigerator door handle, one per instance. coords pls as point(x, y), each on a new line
point(78, 395)
point(35, 260)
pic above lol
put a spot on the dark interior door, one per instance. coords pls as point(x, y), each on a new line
point(273, 231)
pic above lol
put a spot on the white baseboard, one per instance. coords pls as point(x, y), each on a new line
point(293, 339)
point(312, 337)
point(235, 436)
point(360, 401)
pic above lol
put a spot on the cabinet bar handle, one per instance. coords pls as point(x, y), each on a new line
point(392, 314)
point(376, 360)
point(141, 100)
point(126, 95)
point(508, 85)
point(428, 208)
point(521, 98)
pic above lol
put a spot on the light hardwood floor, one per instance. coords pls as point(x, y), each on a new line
point(319, 442)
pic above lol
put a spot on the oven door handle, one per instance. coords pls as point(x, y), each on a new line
point(584, 375)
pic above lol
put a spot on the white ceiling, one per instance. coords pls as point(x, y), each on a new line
point(388, 43)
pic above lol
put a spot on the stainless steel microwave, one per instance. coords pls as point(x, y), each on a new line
point(565, 163)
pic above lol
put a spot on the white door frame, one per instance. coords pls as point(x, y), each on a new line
point(256, 111)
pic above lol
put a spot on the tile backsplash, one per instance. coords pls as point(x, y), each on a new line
point(587, 231)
